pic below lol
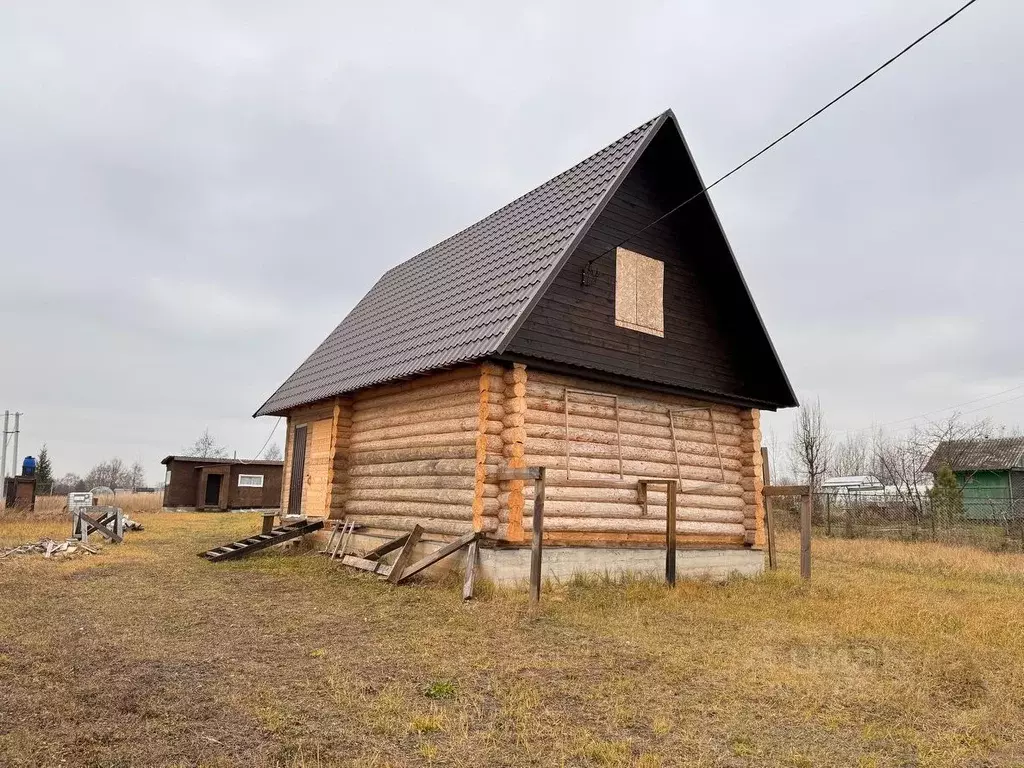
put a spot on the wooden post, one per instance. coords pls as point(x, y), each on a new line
point(670, 533)
point(537, 548)
point(769, 521)
point(470, 581)
point(805, 536)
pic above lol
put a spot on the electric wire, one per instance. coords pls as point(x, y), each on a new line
point(786, 135)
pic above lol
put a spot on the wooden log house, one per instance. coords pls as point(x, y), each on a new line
point(585, 327)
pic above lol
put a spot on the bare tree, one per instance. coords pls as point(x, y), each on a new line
point(112, 474)
point(206, 446)
point(68, 483)
point(900, 461)
point(811, 445)
point(852, 455)
point(136, 476)
point(899, 464)
point(273, 452)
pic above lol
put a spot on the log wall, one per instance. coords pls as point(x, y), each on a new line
point(591, 503)
point(426, 451)
point(419, 452)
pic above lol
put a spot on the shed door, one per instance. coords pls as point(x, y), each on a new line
point(298, 471)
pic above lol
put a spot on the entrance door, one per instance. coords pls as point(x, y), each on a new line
point(212, 497)
point(298, 471)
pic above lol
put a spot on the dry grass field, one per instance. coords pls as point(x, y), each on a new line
point(895, 655)
point(131, 503)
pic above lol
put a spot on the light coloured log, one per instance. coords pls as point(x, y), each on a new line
point(430, 525)
point(418, 407)
point(465, 483)
point(440, 439)
point(428, 390)
point(646, 525)
point(632, 468)
point(421, 508)
point(635, 404)
point(465, 372)
point(552, 413)
point(464, 467)
point(464, 408)
point(631, 511)
point(620, 539)
point(545, 385)
point(420, 453)
point(438, 495)
point(661, 442)
point(728, 498)
point(322, 409)
point(437, 425)
point(630, 453)
point(606, 539)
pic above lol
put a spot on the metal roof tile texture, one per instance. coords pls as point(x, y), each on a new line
point(456, 301)
point(975, 455)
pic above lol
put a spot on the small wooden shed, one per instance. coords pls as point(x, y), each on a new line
point(210, 483)
point(584, 327)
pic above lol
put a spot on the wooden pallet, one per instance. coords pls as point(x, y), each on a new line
point(277, 535)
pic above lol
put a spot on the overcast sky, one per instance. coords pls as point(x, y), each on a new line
point(191, 198)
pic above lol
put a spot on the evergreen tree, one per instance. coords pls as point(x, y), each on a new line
point(946, 497)
point(44, 470)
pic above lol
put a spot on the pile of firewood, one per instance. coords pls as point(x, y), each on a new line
point(49, 548)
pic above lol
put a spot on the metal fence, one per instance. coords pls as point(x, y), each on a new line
point(994, 522)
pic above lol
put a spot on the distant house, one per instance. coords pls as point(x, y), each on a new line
point(214, 483)
point(989, 472)
point(587, 327)
point(853, 484)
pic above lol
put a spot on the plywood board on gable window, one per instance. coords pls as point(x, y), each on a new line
point(625, 287)
point(639, 292)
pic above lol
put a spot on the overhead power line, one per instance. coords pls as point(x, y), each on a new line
point(788, 133)
point(276, 425)
point(943, 410)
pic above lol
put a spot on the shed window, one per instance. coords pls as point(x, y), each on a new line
point(250, 481)
point(639, 292)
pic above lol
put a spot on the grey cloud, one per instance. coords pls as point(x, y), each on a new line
point(193, 196)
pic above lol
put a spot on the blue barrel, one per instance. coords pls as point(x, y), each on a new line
point(28, 466)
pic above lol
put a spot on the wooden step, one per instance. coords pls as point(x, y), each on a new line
point(261, 541)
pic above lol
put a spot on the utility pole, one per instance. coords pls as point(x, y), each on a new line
point(3, 457)
point(14, 458)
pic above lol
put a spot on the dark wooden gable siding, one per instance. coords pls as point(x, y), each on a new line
point(714, 342)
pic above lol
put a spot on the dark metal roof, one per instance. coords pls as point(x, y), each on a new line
point(974, 455)
point(459, 300)
point(220, 461)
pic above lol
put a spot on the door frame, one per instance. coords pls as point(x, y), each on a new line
point(297, 461)
point(225, 485)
